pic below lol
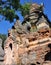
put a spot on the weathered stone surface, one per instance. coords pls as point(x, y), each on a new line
point(47, 63)
point(0, 42)
point(34, 7)
point(42, 23)
point(1, 51)
point(25, 47)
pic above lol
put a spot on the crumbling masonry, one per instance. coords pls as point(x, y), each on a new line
point(29, 42)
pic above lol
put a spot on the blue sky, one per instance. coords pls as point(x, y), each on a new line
point(5, 25)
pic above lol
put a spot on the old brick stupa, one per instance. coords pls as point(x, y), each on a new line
point(29, 42)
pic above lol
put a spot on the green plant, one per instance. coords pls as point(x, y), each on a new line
point(25, 9)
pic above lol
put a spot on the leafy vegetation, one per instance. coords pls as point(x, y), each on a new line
point(8, 9)
point(25, 9)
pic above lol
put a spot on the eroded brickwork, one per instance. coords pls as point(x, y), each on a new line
point(24, 46)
